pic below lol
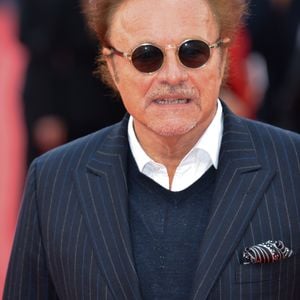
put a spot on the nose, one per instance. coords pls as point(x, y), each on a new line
point(172, 72)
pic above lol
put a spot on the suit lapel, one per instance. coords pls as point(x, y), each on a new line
point(240, 184)
point(103, 197)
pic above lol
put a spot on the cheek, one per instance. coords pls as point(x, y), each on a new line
point(133, 86)
point(208, 85)
point(132, 91)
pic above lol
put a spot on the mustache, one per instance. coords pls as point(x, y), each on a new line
point(171, 90)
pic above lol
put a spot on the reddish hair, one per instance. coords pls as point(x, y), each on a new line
point(99, 13)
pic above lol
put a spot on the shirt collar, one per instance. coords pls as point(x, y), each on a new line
point(210, 141)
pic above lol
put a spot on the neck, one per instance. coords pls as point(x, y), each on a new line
point(168, 150)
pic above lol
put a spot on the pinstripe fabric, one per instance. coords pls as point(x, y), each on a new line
point(256, 199)
point(73, 239)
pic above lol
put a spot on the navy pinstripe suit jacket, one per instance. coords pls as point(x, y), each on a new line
point(73, 240)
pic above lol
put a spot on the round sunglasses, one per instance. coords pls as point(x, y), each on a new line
point(148, 57)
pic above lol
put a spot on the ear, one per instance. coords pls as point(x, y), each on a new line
point(109, 60)
point(224, 62)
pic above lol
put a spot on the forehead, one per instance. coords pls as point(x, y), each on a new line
point(163, 21)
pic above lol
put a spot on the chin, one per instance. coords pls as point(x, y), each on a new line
point(173, 129)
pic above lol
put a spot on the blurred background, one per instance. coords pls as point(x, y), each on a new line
point(50, 95)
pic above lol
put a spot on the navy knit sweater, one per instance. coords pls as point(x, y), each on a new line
point(167, 228)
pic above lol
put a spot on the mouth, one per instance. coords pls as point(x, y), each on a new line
point(172, 101)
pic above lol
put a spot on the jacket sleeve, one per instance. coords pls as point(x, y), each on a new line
point(28, 276)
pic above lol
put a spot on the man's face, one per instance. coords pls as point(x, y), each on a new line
point(174, 100)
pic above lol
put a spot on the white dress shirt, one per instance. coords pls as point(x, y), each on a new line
point(200, 158)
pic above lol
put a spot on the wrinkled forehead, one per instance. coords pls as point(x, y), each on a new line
point(163, 21)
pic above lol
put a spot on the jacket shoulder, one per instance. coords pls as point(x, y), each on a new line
point(268, 131)
point(274, 143)
point(77, 152)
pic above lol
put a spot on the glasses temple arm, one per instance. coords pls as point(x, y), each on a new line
point(220, 42)
point(112, 50)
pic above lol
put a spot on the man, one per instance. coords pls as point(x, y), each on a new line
point(181, 200)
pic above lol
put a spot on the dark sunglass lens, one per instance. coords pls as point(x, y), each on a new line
point(147, 58)
point(194, 53)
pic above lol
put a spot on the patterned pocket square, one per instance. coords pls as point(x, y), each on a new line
point(268, 252)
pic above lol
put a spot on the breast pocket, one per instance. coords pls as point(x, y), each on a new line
point(279, 279)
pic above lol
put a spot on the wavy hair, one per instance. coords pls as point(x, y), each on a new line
point(99, 13)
